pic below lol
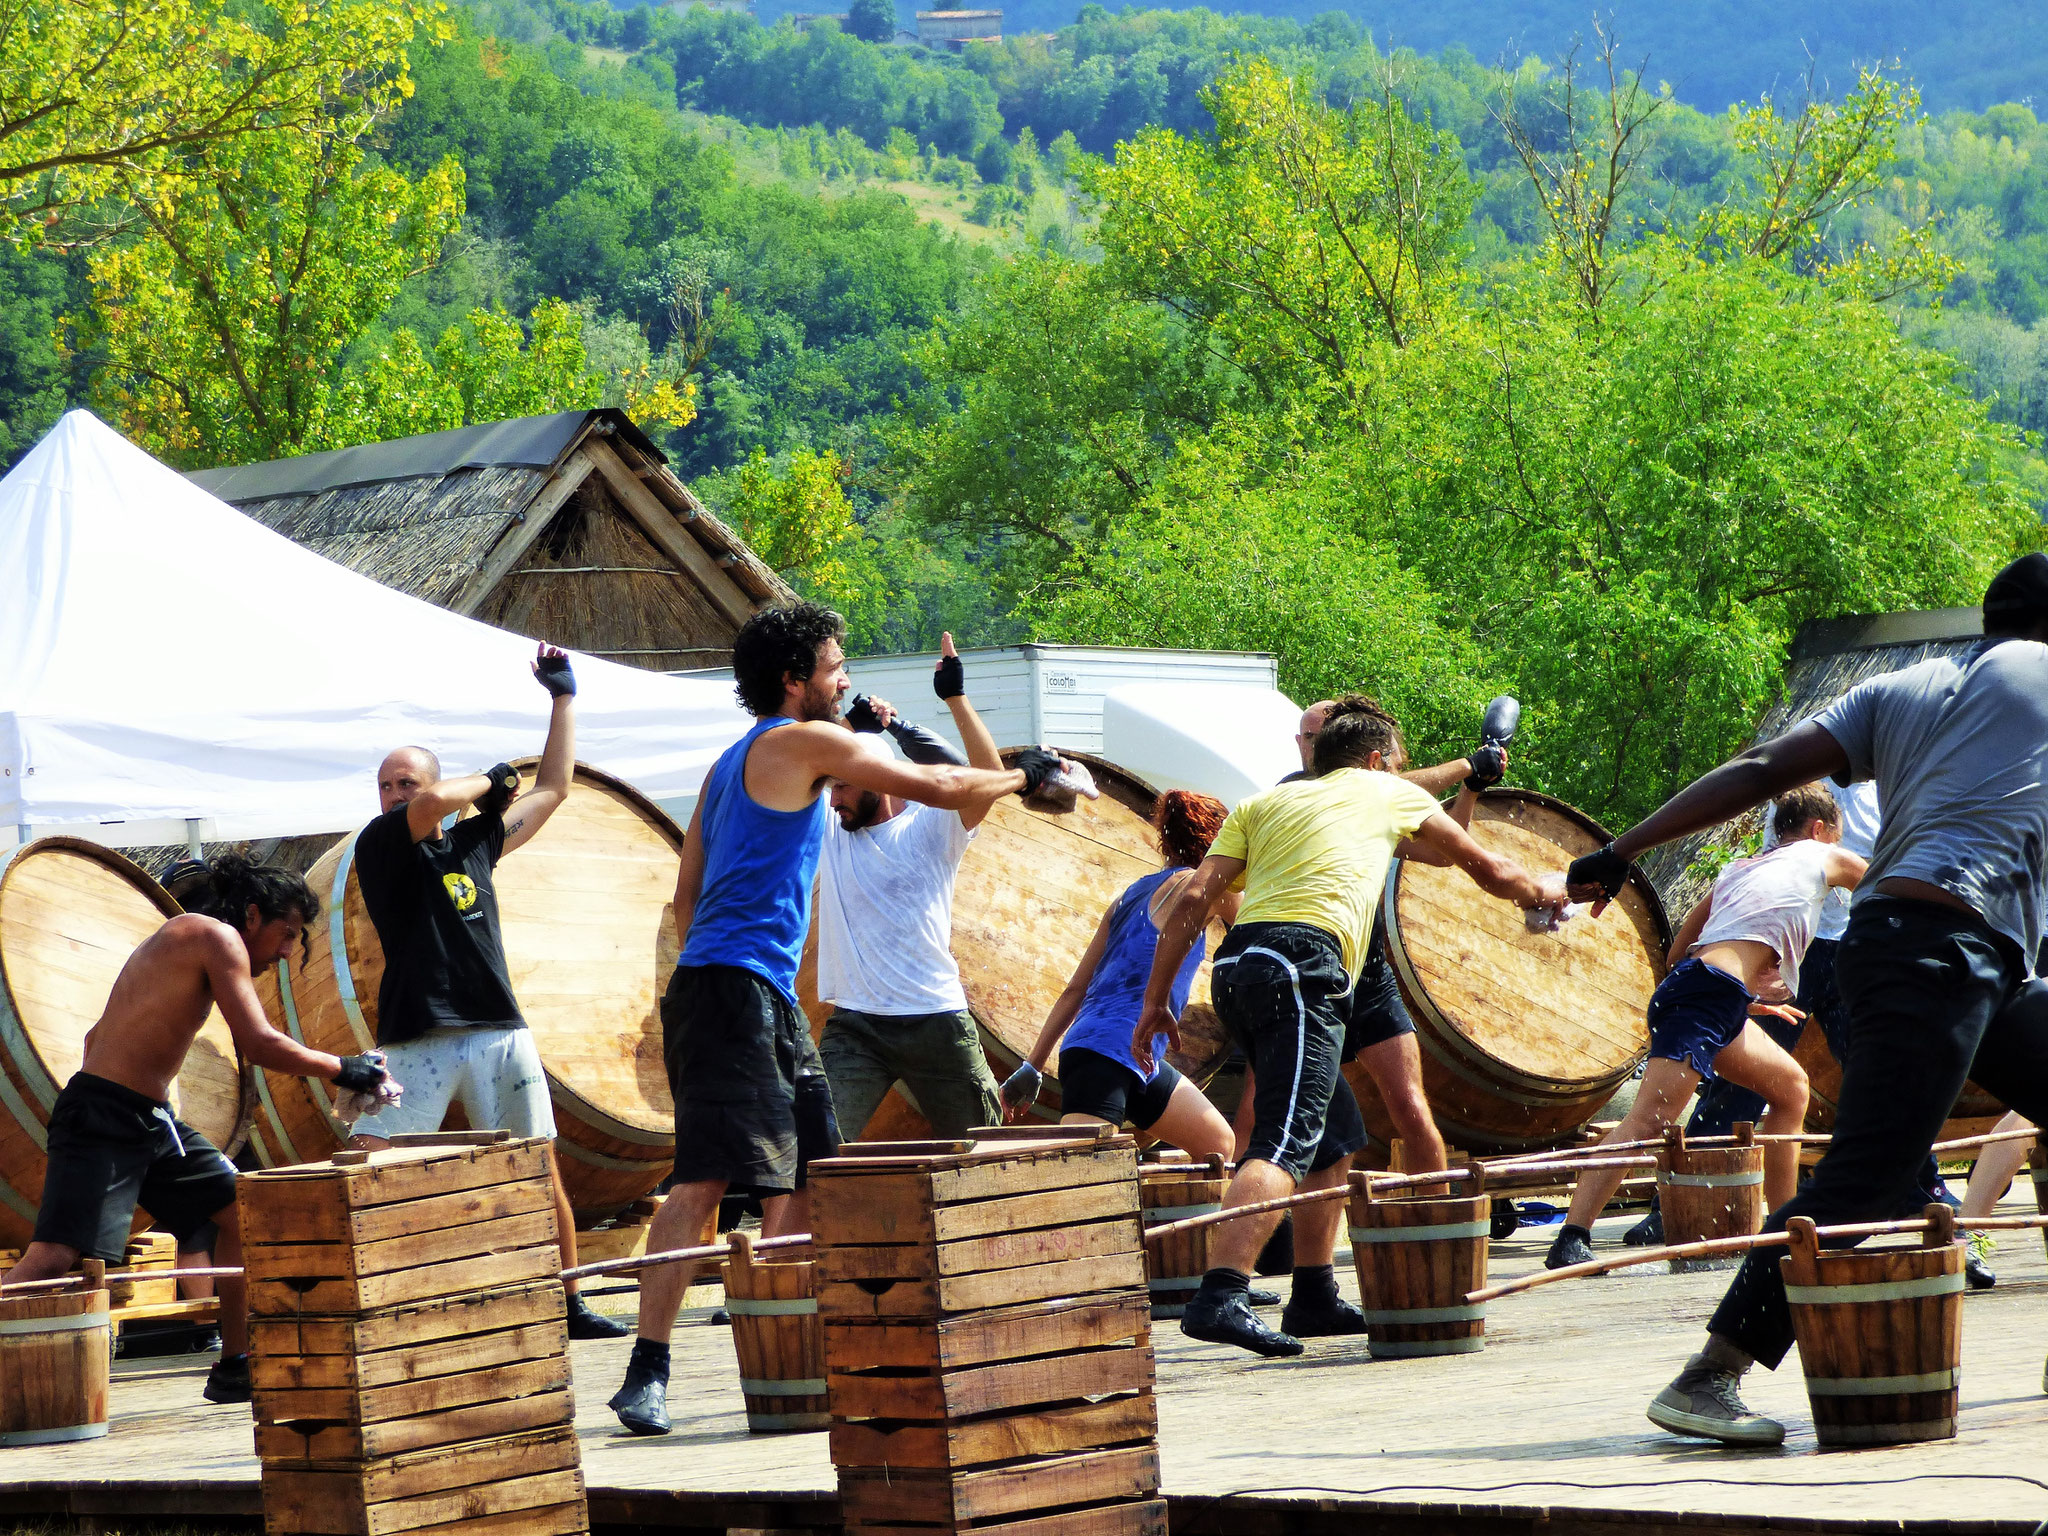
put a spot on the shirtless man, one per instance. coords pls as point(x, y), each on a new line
point(753, 1106)
point(1739, 948)
point(113, 1143)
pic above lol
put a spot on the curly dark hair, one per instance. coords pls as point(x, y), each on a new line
point(1356, 727)
point(1792, 810)
point(777, 643)
point(234, 884)
point(1187, 824)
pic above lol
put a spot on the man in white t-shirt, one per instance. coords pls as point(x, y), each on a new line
point(885, 932)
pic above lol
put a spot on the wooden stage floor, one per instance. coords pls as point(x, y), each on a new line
point(1543, 1430)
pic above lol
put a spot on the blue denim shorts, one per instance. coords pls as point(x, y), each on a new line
point(1696, 1013)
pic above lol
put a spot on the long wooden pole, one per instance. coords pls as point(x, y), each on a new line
point(681, 1255)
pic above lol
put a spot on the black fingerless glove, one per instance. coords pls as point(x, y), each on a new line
point(1488, 764)
point(1037, 764)
point(860, 714)
point(555, 676)
point(359, 1074)
point(504, 783)
point(949, 680)
point(1605, 869)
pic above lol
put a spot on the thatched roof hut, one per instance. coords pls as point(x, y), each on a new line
point(1827, 659)
point(570, 528)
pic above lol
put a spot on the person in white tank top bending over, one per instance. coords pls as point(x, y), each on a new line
point(1738, 951)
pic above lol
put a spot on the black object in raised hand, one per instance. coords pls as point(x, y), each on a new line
point(861, 714)
point(360, 1074)
point(555, 674)
point(504, 785)
point(1037, 765)
point(1503, 717)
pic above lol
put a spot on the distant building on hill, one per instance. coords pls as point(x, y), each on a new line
point(803, 20)
point(741, 7)
point(956, 29)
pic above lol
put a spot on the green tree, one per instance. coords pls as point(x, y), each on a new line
point(872, 21)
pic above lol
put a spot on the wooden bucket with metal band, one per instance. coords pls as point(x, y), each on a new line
point(71, 913)
point(1417, 1256)
point(1176, 1190)
point(589, 941)
point(1880, 1334)
point(1524, 1036)
point(55, 1348)
point(773, 1303)
point(1708, 1192)
point(1029, 896)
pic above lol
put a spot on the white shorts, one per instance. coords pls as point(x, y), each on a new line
point(496, 1073)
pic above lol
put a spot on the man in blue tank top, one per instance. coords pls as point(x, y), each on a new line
point(752, 1103)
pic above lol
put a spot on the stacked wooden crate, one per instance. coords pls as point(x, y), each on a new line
point(987, 1333)
point(408, 1343)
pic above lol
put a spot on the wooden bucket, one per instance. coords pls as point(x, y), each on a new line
point(55, 1347)
point(71, 913)
point(1975, 1110)
point(590, 941)
point(1880, 1334)
point(774, 1308)
point(1708, 1192)
point(1030, 893)
point(1417, 1258)
point(1524, 1035)
point(1170, 1191)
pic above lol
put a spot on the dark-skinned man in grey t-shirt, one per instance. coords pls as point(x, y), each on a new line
point(1935, 966)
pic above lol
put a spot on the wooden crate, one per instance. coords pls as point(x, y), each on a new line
point(988, 1336)
point(409, 1344)
point(156, 1253)
point(927, 1229)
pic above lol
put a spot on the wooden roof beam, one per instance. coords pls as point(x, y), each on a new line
point(669, 536)
point(574, 471)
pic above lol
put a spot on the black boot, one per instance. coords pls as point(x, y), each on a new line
point(586, 1324)
point(1219, 1313)
point(1572, 1245)
point(1647, 1233)
point(1316, 1311)
point(228, 1380)
point(642, 1401)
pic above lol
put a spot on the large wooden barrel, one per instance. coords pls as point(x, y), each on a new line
point(1417, 1258)
point(1975, 1111)
point(1709, 1192)
point(71, 913)
point(1524, 1035)
point(1031, 890)
point(776, 1333)
point(1170, 1190)
point(1880, 1334)
point(590, 939)
point(55, 1348)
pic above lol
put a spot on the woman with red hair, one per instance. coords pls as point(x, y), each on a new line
point(1100, 1080)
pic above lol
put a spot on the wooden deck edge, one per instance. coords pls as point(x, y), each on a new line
point(618, 1511)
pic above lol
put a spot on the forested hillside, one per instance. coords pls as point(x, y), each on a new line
point(1165, 328)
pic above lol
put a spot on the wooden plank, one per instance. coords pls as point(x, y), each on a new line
point(1062, 1169)
point(408, 1327)
point(660, 525)
point(447, 1357)
point(1047, 1245)
point(996, 1437)
point(326, 1440)
point(1145, 1517)
point(985, 1389)
point(981, 1218)
point(342, 1295)
point(1038, 1282)
point(894, 1498)
point(1013, 1333)
point(410, 1399)
point(291, 1261)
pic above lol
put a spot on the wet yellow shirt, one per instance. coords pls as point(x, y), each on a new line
point(1316, 851)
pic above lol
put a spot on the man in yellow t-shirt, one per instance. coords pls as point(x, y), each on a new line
point(1311, 858)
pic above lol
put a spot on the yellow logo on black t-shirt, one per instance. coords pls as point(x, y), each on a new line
point(461, 891)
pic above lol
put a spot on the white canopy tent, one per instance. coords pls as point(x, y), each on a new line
point(170, 670)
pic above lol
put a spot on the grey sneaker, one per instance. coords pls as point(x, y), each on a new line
point(1704, 1400)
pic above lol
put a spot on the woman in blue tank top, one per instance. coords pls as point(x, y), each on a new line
point(1099, 1079)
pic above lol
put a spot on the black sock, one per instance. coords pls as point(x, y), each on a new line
point(1315, 1282)
point(1218, 1284)
point(651, 1355)
point(1567, 1229)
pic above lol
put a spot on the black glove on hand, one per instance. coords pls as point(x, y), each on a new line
point(555, 676)
point(860, 714)
point(949, 680)
point(1021, 1086)
point(1606, 869)
point(504, 783)
point(1037, 764)
point(1488, 764)
point(359, 1074)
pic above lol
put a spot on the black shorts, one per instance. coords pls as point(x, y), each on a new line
point(753, 1107)
point(1695, 1014)
point(112, 1149)
point(1280, 990)
point(1094, 1084)
point(1343, 1127)
point(1376, 1013)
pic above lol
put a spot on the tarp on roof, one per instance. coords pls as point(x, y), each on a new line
point(534, 442)
point(165, 658)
